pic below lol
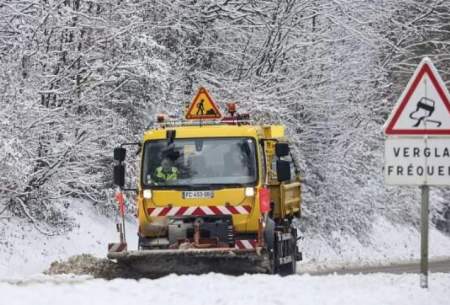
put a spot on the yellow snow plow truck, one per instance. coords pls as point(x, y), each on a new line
point(215, 194)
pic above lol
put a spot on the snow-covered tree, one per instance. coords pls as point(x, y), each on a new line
point(78, 77)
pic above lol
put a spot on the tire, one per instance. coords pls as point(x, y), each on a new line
point(141, 243)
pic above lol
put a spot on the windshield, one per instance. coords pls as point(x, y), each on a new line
point(202, 162)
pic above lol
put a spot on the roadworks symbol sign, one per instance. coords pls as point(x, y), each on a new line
point(203, 107)
point(424, 106)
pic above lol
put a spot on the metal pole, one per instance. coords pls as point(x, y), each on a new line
point(424, 237)
point(123, 229)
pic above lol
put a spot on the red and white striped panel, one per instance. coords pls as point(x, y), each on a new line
point(200, 211)
point(117, 247)
point(245, 243)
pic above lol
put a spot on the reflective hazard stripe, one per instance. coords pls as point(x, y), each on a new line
point(173, 211)
point(200, 211)
point(117, 247)
point(245, 244)
point(241, 210)
point(223, 210)
point(156, 212)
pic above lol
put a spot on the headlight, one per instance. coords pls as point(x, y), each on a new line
point(249, 192)
point(147, 194)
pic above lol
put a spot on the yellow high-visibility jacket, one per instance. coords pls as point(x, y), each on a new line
point(172, 175)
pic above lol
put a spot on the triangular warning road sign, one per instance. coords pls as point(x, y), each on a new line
point(203, 107)
point(424, 106)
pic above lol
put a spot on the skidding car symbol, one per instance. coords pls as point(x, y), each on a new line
point(424, 110)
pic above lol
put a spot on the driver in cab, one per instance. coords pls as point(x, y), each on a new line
point(166, 172)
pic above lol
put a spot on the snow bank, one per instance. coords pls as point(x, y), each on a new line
point(220, 289)
point(386, 243)
point(28, 251)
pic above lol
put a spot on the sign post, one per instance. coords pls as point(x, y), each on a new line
point(417, 147)
point(424, 236)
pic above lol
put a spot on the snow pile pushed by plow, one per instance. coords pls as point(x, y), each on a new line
point(155, 264)
point(220, 289)
point(86, 264)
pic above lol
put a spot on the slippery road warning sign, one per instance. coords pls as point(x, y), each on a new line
point(203, 107)
point(424, 106)
point(417, 148)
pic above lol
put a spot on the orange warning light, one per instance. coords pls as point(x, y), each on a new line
point(231, 108)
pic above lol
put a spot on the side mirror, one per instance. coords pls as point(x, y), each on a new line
point(283, 170)
point(119, 175)
point(119, 154)
point(281, 149)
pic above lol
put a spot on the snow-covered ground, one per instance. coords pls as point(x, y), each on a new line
point(24, 251)
point(220, 289)
point(387, 243)
point(28, 252)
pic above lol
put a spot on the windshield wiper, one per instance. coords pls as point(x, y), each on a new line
point(184, 186)
point(202, 186)
point(217, 185)
point(230, 185)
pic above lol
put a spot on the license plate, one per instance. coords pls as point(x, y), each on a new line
point(198, 194)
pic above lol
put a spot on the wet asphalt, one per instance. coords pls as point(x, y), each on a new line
point(434, 266)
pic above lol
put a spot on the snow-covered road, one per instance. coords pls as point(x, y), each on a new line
point(21, 257)
point(214, 289)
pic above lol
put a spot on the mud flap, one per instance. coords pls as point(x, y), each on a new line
point(286, 251)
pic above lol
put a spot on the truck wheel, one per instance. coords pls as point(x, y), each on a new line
point(269, 238)
point(140, 243)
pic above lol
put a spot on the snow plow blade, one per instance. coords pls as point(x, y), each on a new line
point(155, 263)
